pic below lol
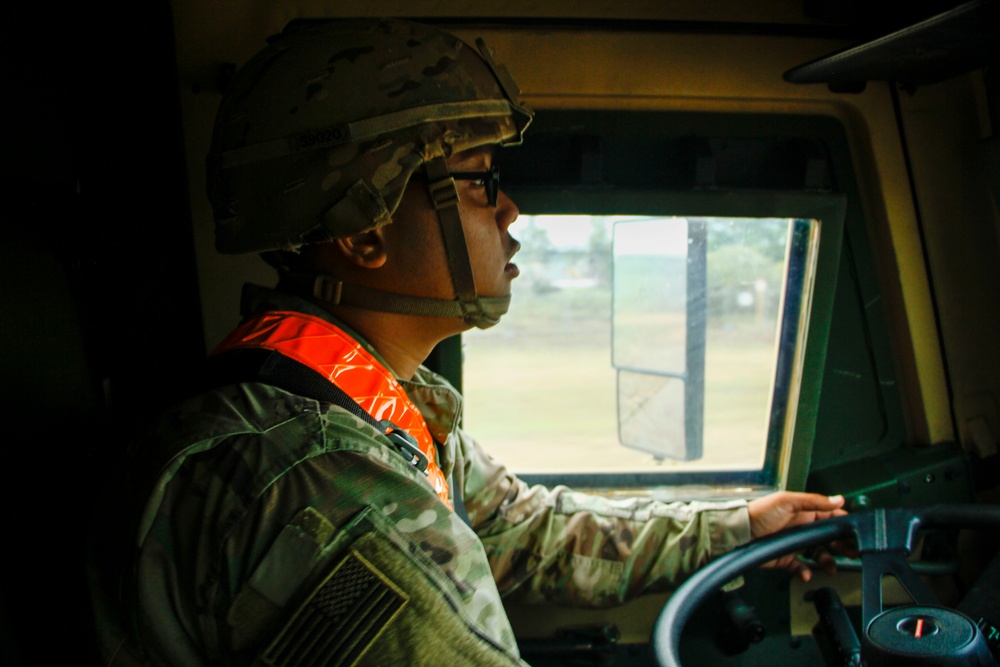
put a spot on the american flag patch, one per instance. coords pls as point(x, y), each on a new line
point(340, 620)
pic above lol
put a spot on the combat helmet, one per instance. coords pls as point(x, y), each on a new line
point(319, 134)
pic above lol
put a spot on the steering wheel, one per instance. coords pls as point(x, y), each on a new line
point(885, 537)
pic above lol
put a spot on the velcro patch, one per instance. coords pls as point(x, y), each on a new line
point(341, 618)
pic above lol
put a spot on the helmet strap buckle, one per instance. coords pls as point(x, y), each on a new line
point(328, 289)
point(443, 193)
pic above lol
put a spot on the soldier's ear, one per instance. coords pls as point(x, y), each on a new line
point(365, 249)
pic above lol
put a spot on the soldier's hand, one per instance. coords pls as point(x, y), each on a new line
point(785, 509)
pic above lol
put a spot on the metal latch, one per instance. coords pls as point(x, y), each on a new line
point(406, 444)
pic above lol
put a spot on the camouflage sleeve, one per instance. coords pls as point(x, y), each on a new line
point(584, 550)
point(296, 533)
point(394, 583)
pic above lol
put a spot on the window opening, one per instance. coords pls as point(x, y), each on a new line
point(645, 344)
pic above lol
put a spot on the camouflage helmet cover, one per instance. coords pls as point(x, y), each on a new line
point(320, 132)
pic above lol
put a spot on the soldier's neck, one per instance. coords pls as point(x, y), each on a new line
point(403, 341)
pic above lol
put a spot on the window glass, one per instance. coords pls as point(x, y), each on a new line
point(645, 344)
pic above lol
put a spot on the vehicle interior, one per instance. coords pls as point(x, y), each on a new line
point(761, 251)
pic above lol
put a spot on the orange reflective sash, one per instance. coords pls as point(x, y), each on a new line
point(336, 356)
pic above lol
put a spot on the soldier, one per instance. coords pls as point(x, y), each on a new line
point(308, 508)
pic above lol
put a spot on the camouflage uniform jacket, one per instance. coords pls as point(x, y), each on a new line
point(278, 526)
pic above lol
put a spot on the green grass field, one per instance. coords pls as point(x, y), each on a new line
point(541, 391)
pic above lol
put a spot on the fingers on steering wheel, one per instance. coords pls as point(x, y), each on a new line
point(800, 569)
point(825, 560)
point(792, 564)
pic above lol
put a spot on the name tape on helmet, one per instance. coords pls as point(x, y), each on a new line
point(329, 136)
point(364, 129)
point(326, 137)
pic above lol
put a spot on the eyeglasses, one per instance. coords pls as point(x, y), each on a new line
point(489, 179)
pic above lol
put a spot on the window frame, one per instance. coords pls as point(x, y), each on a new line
point(785, 467)
point(781, 469)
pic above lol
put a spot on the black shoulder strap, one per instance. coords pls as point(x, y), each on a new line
point(275, 369)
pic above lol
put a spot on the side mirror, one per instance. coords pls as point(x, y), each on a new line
point(708, 318)
point(658, 297)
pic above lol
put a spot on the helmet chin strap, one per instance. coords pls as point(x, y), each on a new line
point(484, 313)
point(481, 312)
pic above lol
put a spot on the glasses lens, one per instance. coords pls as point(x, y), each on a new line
point(490, 180)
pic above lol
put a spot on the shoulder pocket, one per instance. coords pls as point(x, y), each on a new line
point(383, 602)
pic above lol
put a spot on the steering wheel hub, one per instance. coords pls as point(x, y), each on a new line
point(921, 635)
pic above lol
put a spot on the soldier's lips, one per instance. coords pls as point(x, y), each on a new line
point(510, 269)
